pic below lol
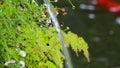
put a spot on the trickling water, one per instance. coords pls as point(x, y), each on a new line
point(68, 63)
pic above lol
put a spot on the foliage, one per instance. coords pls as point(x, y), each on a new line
point(25, 26)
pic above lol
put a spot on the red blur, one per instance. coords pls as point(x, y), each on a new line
point(109, 5)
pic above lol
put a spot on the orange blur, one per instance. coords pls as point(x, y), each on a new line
point(109, 5)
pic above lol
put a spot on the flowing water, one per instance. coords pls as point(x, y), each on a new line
point(68, 63)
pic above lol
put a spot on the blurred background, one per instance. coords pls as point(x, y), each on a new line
point(100, 29)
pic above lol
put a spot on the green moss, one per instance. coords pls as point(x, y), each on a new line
point(20, 29)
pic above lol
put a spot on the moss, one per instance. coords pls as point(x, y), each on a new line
point(21, 29)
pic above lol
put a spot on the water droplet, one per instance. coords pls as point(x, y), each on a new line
point(91, 16)
point(118, 20)
point(83, 6)
point(91, 7)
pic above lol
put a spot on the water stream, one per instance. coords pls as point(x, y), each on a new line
point(68, 63)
